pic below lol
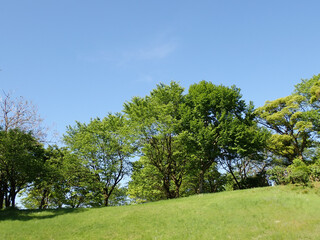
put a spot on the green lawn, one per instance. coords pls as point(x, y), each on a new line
point(263, 213)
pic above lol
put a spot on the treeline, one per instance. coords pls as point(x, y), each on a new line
point(168, 144)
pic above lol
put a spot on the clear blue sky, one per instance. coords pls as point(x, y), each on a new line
point(78, 59)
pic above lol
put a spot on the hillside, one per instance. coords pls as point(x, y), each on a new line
point(264, 213)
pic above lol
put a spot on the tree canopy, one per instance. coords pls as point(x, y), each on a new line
point(168, 144)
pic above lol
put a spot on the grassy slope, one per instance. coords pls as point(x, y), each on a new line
point(263, 213)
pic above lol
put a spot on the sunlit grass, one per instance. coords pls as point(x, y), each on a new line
point(264, 213)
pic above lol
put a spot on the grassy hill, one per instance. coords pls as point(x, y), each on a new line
point(284, 212)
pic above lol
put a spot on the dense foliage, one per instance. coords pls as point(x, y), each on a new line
point(165, 145)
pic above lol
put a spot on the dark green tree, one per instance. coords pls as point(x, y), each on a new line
point(65, 182)
point(219, 125)
point(21, 162)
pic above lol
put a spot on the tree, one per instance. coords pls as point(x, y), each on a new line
point(218, 122)
point(242, 150)
point(21, 161)
point(290, 126)
point(146, 182)
point(18, 114)
point(156, 120)
point(64, 181)
point(105, 148)
point(22, 114)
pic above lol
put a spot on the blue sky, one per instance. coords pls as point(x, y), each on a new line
point(78, 59)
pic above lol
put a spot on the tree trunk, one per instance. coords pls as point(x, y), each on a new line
point(44, 202)
point(13, 198)
point(106, 195)
point(7, 200)
point(177, 183)
point(2, 192)
point(234, 177)
point(201, 181)
point(1, 199)
point(166, 187)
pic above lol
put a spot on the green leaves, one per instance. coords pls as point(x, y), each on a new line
point(287, 119)
point(104, 146)
point(21, 162)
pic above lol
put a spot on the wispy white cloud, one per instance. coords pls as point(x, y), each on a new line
point(151, 52)
point(124, 57)
point(155, 52)
point(145, 79)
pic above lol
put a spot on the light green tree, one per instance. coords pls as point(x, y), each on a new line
point(105, 147)
point(291, 128)
point(156, 120)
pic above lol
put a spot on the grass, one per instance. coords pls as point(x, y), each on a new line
point(283, 212)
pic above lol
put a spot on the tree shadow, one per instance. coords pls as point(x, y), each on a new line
point(26, 215)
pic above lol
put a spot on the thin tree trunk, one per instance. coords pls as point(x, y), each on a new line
point(13, 198)
point(234, 177)
point(201, 181)
point(1, 199)
point(2, 192)
point(7, 199)
point(106, 195)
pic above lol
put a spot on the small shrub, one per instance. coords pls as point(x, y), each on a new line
point(315, 171)
point(278, 175)
point(298, 172)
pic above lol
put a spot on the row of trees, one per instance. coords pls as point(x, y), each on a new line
point(166, 145)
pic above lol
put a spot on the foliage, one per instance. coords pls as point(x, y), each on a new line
point(104, 147)
point(21, 161)
point(146, 182)
point(207, 140)
point(156, 120)
point(221, 128)
point(298, 172)
point(291, 129)
point(65, 182)
point(314, 170)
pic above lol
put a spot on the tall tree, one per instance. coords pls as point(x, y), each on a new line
point(105, 147)
point(21, 161)
point(210, 116)
point(18, 113)
point(156, 120)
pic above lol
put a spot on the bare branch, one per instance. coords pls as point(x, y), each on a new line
point(20, 113)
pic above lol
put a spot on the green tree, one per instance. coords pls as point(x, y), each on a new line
point(18, 113)
point(146, 182)
point(65, 182)
point(290, 125)
point(242, 151)
point(156, 120)
point(21, 161)
point(105, 147)
point(219, 125)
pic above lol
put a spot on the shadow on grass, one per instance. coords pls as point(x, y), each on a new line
point(26, 215)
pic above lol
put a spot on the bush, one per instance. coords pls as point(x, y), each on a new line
point(298, 172)
point(278, 175)
point(314, 170)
